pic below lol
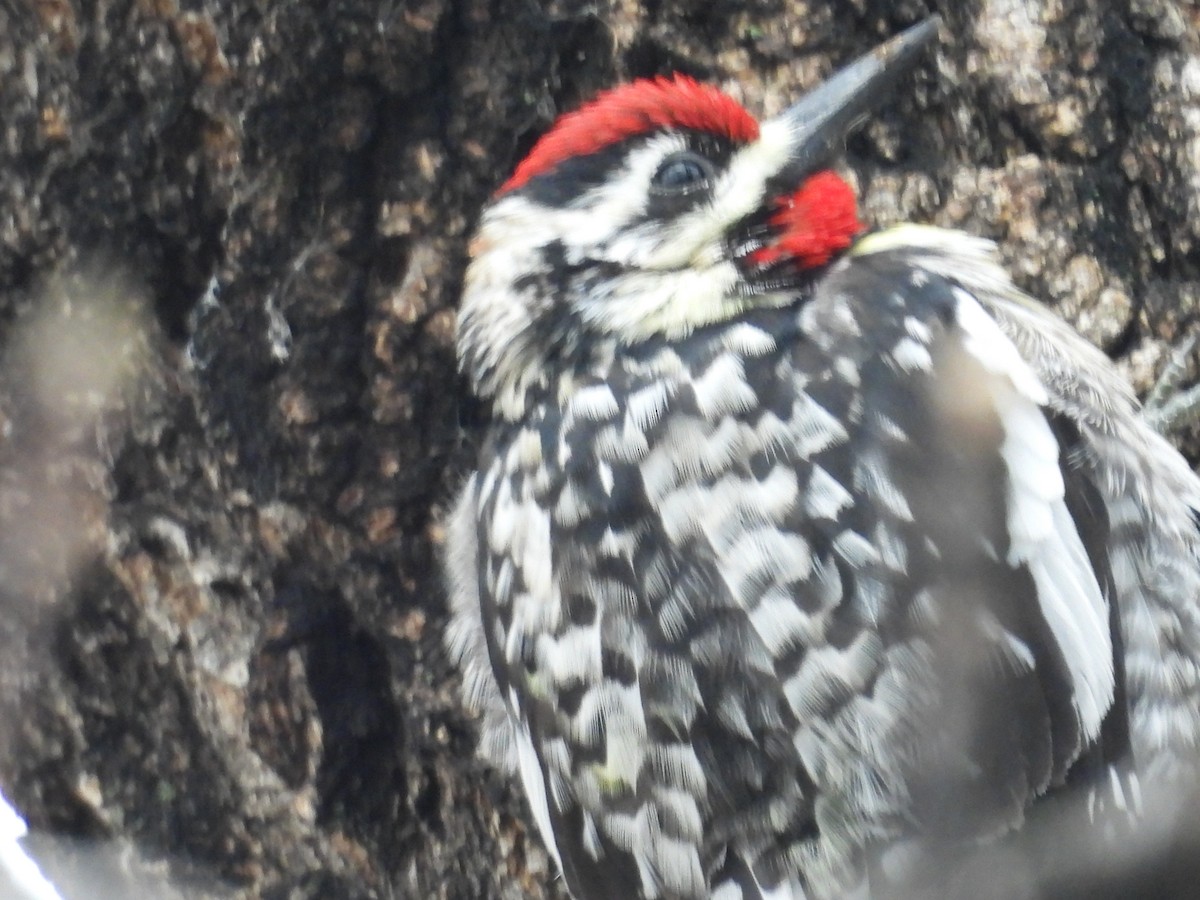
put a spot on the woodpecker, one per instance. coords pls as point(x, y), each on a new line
point(793, 545)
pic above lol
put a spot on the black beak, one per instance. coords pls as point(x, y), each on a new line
point(820, 121)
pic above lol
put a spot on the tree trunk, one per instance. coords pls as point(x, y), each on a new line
point(231, 240)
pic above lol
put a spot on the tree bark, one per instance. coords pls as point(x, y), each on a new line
point(232, 235)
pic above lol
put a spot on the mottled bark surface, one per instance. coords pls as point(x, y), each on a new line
point(231, 237)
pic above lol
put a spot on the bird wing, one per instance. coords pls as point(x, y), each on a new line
point(1132, 492)
point(942, 506)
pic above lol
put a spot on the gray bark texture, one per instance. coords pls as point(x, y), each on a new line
point(231, 239)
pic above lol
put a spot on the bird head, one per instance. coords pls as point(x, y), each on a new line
point(660, 207)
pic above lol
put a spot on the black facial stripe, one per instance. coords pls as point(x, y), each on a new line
point(716, 149)
point(564, 185)
point(556, 324)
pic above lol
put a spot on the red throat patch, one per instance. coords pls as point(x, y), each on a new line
point(633, 109)
point(816, 222)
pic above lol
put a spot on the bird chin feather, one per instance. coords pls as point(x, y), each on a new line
point(641, 305)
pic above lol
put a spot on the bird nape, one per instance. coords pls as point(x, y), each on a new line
point(800, 561)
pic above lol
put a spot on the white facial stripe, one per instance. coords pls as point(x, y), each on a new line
point(741, 190)
point(644, 303)
point(696, 235)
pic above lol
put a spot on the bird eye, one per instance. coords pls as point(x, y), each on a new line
point(682, 172)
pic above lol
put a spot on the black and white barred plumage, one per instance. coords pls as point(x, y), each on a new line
point(763, 576)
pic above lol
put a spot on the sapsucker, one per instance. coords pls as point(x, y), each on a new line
point(792, 544)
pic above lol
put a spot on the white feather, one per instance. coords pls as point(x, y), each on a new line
point(1042, 535)
point(533, 780)
point(722, 389)
point(825, 497)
